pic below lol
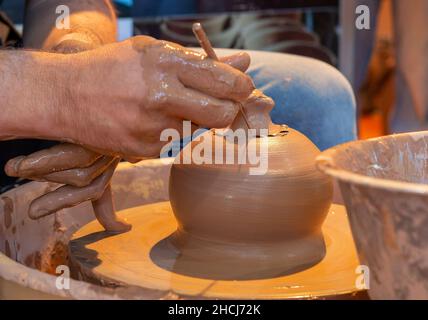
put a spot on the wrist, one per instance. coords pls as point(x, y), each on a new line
point(36, 91)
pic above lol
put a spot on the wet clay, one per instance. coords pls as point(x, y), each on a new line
point(264, 225)
point(188, 78)
point(106, 214)
point(233, 224)
point(86, 176)
point(80, 177)
point(183, 81)
point(144, 258)
point(193, 69)
point(57, 158)
point(257, 108)
point(68, 196)
point(98, 191)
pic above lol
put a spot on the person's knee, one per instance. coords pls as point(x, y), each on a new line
point(311, 96)
point(334, 108)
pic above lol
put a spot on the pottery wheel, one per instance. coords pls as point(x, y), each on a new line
point(127, 260)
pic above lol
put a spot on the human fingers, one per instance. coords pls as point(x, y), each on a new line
point(216, 79)
point(201, 109)
point(106, 215)
point(256, 108)
point(70, 196)
point(240, 61)
point(80, 177)
point(197, 71)
point(57, 158)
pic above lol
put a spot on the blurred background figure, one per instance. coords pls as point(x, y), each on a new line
point(390, 69)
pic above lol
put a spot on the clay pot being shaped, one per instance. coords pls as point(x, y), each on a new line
point(234, 224)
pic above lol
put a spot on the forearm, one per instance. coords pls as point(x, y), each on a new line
point(33, 94)
point(91, 21)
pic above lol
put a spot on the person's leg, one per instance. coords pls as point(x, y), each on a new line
point(363, 40)
point(310, 95)
point(411, 43)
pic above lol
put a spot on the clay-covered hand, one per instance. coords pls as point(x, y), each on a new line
point(123, 95)
point(257, 108)
point(85, 174)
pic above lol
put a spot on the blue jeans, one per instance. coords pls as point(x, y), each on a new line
point(310, 96)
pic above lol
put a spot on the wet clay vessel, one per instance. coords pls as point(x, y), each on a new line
point(236, 225)
point(30, 250)
point(239, 222)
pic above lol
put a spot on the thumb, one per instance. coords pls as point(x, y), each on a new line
point(240, 61)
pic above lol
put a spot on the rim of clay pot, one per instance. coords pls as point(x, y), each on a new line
point(327, 164)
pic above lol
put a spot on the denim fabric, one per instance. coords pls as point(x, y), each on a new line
point(311, 96)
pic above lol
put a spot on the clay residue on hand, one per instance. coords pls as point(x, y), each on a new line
point(106, 214)
point(58, 158)
point(69, 196)
point(80, 177)
point(85, 174)
point(256, 108)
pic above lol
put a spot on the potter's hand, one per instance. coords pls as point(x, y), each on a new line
point(85, 174)
point(123, 95)
point(63, 163)
point(257, 108)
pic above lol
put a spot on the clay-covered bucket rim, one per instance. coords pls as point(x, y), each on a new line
point(327, 164)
